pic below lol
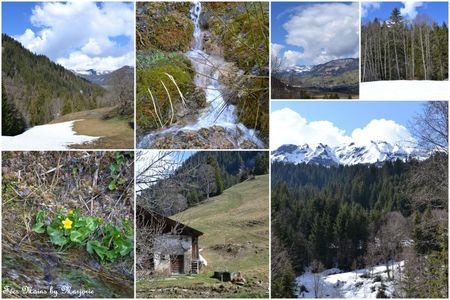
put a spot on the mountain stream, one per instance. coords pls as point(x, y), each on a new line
point(218, 116)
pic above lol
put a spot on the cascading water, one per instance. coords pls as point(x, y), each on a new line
point(195, 12)
point(218, 112)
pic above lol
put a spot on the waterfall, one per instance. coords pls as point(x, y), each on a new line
point(208, 69)
point(195, 12)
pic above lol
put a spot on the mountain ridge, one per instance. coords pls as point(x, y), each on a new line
point(40, 90)
point(376, 152)
point(106, 78)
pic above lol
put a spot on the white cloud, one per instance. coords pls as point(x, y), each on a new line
point(83, 31)
point(325, 31)
point(369, 6)
point(275, 49)
point(79, 61)
point(382, 130)
point(409, 11)
point(291, 128)
point(291, 58)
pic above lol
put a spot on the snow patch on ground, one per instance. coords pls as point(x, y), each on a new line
point(404, 90)
point(333, 283)
point(46, 137)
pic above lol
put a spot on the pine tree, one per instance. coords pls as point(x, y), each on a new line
point(12, 121)
point(212, 161)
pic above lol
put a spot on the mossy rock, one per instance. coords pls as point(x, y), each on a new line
point(163, 25)
point(151, 74)
point(242, 29)
point(253, 106)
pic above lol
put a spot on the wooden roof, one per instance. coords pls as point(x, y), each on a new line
point(145, 217)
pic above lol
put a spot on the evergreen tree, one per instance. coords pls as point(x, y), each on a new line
point(218, 177)
point(12, 121)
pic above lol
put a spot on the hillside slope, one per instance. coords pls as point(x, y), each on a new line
point(40, 90)
point(236, 228)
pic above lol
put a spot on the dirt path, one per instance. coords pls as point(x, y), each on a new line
point(116, 133)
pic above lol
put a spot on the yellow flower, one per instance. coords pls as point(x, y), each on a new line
point(71, 212)
point(67, 223)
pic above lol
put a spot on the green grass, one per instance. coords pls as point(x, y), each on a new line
point(240, 216)
point(115, 133)
point(237, 219)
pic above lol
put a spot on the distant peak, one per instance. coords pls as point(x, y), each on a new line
point(345, 154)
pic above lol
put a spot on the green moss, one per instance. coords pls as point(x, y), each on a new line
point(152, 72)
point(253, 106)
point(242, 30)
point(164, 26)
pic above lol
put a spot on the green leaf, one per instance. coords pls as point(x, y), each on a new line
point(91, 223)
point(112, 185)
point(38, 228)
point(40, 216)
point(58, 239)
point(113, 168)
point(90, 246)
point(95, 246)
point(76, 237)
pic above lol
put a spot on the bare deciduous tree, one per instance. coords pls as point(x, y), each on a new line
point(430, 128)
point(317, 269)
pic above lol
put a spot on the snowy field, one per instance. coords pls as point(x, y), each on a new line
point(333, 283)
point(404, 90)
point(46, 137)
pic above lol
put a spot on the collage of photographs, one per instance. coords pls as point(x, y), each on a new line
point(224, 149)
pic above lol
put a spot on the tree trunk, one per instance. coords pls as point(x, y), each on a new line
point(413, 74)
point(423, 53)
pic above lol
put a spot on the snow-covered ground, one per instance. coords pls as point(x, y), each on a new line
point(404, 90)
point(333, 283)
point(46, 137)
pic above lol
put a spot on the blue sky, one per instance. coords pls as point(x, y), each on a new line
point(438, 11)
point(349, 115)
point(309, 33)
point(79, 35)
point(333, 123)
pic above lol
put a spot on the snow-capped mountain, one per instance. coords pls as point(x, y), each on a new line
point(298, 69)
point(91, 72)
point(346, 154)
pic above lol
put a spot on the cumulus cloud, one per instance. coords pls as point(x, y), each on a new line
point(83, 31)
point(325, 31)
point(409, 11)
point(366, 7)
point(291, 58)
point(382, 130)
point(291, 128)
point(276, 49)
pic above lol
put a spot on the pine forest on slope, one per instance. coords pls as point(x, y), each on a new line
point(391, 214)
point(37, 91)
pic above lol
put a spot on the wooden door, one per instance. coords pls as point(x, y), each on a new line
point(177, 264)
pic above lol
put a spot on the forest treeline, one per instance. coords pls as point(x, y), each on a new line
point(360, 216)
point(201, 176)
point(399, 49)
point(37, 90)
